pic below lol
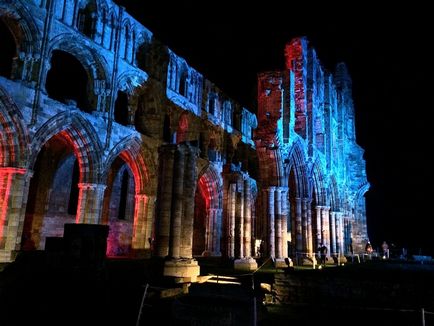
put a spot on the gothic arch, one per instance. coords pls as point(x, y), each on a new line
point(129, 81)
point(14, 139)
point(132, 234)
point(317, 183)
point(212, 180)
point(334, 198)
point(297, 164)
point(79, 133)
point(95, 66)
point(132, 151)
point(207, 225)
point(22, 26)
point(359, 200)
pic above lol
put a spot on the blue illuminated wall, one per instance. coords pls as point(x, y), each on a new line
point(306, 145)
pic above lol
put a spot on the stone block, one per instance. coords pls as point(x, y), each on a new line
point(245, 264)
point(184, 270)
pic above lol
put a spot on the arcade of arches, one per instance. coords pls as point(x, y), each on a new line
point(121, 131)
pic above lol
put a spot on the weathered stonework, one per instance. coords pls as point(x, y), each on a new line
point(100, 123)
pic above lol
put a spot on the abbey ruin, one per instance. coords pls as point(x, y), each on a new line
point(100, 123)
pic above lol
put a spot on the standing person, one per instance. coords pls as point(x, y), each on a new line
point(323, 253)
point(368, 248)
point(385, 249)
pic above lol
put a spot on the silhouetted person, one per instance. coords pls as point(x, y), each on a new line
point(323, 253)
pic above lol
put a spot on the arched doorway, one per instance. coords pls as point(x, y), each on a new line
point(201, 216)
point(207, 226)
point(118, 209)
point(53, 193)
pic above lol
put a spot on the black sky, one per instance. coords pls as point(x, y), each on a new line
point(388, 56)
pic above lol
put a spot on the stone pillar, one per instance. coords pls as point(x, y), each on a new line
point(90, 199)
point(177, 204)
point(298, 226)
point(325, 226)
point(190, 183)
point(208, 232)
point(217, 233)
point(14, 183)
point(143, 217)
point(212, 240)
point(182, 266)
point(239, 224)
point(340, 233)
point(231, 221)
point(278, 223)
point(285, 215)
point(305, 237)
point(309, 240)
point(247, 218)
point(318, 227)
point(164, 200)
point(271, 212)
point(246, 262)
point(333, 233)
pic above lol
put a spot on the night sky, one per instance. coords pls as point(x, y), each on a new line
point(387, 54)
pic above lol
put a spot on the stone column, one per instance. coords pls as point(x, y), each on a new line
point(231, 222)
point(14, 183)
point(271, 212)
point(305, 236)
point(90, 199)
point(208, 232)
point(333, 233)
point(246, 262)
point(247, 218)
point(284, 196)
point(278, 222)
point(217, 233)
point(298, 226)
point(183, 267)
point(340, 233)
point(263, 226)
point(164, 200)
point(309, 240)
point(143, 217)
point(318, 226)
point(325, 226)
point(239, 224)
point(213, 235)
point(190, 183)
point(177, 204)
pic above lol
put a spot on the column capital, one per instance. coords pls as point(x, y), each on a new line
point(91, 186)
point(141, 196)
point(326, 208)
point(13, 170)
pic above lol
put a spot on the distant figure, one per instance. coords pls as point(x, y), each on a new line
point(385, 249)
point(323, 253)
point(368, 248)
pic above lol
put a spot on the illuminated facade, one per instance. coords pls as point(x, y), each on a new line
point(100, 123)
